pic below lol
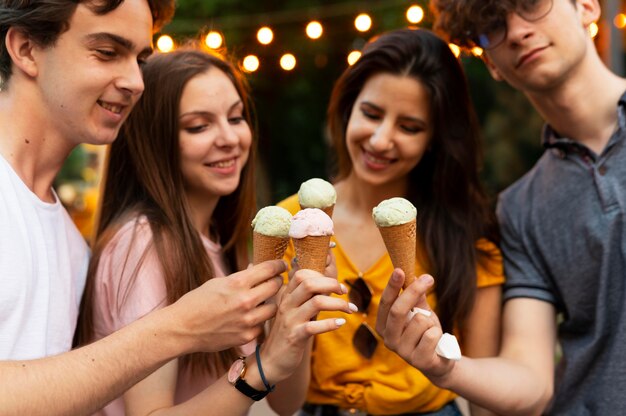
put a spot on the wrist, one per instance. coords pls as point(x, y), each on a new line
point(172, 332)
point(443, 379)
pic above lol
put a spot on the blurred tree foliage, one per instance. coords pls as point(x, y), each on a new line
point(290, 106)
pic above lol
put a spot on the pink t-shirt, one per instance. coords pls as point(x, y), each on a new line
point(120, 300)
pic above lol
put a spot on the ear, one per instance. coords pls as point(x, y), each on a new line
point(495, 74)
point(20, 48)
point(589, 11)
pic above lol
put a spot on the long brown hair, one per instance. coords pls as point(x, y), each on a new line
point(144, 178)
point(453, 211)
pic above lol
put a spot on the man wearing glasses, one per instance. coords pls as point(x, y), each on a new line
point(563, 224)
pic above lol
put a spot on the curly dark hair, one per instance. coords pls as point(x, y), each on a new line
point(458, 20)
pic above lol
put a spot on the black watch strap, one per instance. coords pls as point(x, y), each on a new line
point(250, 391)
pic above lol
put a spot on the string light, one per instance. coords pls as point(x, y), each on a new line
point(455, 49)
point(287, 62)
point(353, 57)
point(165, 43)
point(363, 22)
point(251, 63)
point(213, 39)
point(593, 30)
point(620, 21)
point(415, 14)
point(314, 30)
point(477, 51)
point(265, 35)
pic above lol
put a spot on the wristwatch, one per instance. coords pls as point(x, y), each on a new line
point(236, 376)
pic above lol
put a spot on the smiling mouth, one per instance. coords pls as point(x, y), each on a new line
point(222, 163)
point(117, 109)
point(528, 56)
point(371, 158)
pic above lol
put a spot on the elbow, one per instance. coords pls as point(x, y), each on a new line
point(283, 409)
point(538, 406)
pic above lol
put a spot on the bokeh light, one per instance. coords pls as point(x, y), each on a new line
point(165, 43)
point(353, 57)
point(415, 14)
point(251, 63)
point(314, 30)
point(455, 49)
point(287, 62)
point(214, 40)
point(265, 35)
point(620, 21)
point(363, 22)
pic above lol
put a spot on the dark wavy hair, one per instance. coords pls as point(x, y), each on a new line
point(144, 177)
point(45, 20)
point(453, 211)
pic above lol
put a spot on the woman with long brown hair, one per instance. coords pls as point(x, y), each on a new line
point(402, 125)
point(177, 205)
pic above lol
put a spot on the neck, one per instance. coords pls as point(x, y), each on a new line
point(29, 141)
point(357, 195)
point(201, 211)
point(583, 107)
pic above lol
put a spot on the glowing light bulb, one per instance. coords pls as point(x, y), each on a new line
point(477, 51)
point(363, 22)
point(415, 14)
point(455, 49)
point(213, 40)
point(165, 43)
point(314, 30)
point(251, 63)
point(620, 21)
point(265, 35)
point(287, 62)
point(353, 57)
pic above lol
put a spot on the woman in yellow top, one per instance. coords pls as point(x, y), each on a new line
point(402, 124)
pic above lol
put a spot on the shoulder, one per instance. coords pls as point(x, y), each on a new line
point(291, 204)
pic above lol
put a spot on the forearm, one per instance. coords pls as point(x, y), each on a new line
point(499, 384)
point(290, 393)
point(84, 380)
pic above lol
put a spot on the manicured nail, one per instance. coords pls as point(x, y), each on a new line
point(353, 307)
point(344, 289)
point(332, 244)
point(340, 321)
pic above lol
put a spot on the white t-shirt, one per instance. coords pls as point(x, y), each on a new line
point(43, 266)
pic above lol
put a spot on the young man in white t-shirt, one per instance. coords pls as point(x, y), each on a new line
point(70, 74)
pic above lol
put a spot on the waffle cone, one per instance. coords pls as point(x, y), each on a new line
point(400, 242)
point(328, 210)
point(267, 247)
point(311, 252)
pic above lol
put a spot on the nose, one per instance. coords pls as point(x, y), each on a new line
point(518, 29)
point(226, 136)
point(382, 139)
point(132, 79)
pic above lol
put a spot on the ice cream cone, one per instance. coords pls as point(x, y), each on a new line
point(311, 252)
point(400, 242)
point(267, 247)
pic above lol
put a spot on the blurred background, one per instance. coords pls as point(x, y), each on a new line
point(292, 51)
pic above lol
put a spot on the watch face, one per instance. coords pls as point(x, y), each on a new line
point(236, 370)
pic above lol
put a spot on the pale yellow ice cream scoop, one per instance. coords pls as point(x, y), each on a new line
point(394, 211)
point(273, 221)
point(317, 193)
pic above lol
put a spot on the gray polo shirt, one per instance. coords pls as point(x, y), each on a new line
point(564, 242)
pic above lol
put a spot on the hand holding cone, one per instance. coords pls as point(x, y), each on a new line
point(311, 230)
point(396, 222)
point(270, 234)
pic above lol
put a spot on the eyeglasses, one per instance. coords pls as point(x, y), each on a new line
point(364, 340)
point(494, 34)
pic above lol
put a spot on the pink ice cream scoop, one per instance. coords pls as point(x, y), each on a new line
point(310, 230)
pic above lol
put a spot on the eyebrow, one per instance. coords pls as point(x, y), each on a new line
point(121, 41)
point(206, 113)
point(405, 118)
